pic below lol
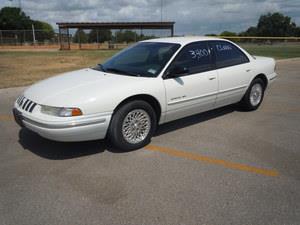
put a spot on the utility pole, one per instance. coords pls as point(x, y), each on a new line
point(161, 10)
point(10, 3)
point(19, 4)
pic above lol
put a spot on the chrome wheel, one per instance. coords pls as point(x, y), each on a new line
point(136, 126)
point(256, 94)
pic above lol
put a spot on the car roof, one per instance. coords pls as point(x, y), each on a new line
point(183, 40)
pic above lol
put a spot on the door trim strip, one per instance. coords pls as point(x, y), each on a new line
point(191, 99)
point(204, 96)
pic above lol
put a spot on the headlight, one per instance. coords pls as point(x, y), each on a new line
point(60, 111)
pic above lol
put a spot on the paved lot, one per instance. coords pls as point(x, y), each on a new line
point(221, 167)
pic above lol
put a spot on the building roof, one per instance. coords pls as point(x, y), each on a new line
point(117, 25)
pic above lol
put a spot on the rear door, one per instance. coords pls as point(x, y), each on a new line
point(195, 89)
point(234, 71)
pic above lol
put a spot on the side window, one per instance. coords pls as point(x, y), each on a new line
point(227, 54)
point(194, 58)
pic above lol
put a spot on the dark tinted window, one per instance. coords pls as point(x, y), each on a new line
point(194, 57)
point(227, 54)
point(142, 59)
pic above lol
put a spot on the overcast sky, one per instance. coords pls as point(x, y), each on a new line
point(191, 16)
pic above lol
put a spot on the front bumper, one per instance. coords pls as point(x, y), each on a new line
point(82, 128)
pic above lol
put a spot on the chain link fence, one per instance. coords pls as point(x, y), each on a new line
point(27, 37)
point(116, 39)
point(83, 39)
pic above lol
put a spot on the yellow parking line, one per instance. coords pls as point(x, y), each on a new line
point(6, 117)
point(220, 162)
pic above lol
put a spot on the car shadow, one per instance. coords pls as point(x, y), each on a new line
point(54, 150)
point(194, 119)
point(58, 150)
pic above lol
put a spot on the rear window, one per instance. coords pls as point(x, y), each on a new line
point(227, 54)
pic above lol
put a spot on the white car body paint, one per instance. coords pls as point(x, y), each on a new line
point(98, 94)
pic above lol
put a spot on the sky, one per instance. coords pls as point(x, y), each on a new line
point(190, 16)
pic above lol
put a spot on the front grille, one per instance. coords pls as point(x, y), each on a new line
point(26, 104)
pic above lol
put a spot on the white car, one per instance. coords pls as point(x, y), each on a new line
point(151, 82)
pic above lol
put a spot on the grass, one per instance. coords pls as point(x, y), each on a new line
point(20, 68)
point(282, 51)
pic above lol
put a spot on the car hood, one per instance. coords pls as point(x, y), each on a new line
point(73, 88)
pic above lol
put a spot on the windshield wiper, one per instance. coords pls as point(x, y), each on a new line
point(99, 67)
point(118, 71)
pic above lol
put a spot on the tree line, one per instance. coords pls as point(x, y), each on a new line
point(13, 18)
point(269, 25)
point(100, 36)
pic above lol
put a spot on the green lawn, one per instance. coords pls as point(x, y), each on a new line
point(19, 68)
point(276, 51)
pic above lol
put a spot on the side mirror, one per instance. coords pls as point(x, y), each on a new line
point(177, 71)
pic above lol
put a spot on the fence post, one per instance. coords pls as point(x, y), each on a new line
point(33, 34)
point(1, 38)
point(79, 40)
point(24, 37)
point(59, 38)
point(68, 34)
point(98, 44)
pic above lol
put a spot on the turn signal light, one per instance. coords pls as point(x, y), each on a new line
point(76, 112)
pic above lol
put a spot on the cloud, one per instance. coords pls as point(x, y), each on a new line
point(191, 16)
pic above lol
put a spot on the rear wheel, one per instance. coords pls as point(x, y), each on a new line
point(132, 125)
point(254, 95)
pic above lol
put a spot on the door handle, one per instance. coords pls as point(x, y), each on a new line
point(248, 70)
point(212, 78)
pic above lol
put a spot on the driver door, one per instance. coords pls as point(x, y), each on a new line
point(191, 82)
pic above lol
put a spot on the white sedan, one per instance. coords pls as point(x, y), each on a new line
point(150, 83)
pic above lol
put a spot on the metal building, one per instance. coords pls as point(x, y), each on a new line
point(64, 37)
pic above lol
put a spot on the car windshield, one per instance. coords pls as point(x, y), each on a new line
point(144, 59)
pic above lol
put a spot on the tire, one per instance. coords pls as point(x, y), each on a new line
point(254, 95)
point(134, 119)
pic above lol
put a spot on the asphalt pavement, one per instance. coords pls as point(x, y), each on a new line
point(225, 166)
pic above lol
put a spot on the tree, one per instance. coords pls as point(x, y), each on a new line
point(142, 37)
point(12, 18)
point(251, 31)
point(103, 35)
point(297, 32)
point(126, 36)
point(275, 24)
point(80, 36)
point(228, 34)
point(211, 35)
point(46, 28)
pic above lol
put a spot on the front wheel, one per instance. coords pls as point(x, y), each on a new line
point(254, 95)
point(132, 125)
